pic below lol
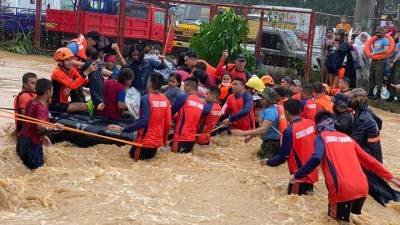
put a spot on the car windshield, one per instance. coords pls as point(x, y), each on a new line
point(293, 41)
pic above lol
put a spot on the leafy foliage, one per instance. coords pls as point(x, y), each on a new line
point(22, 43)
point(225, 31)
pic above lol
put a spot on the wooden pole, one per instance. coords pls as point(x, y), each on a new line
point(259, 36)
point(121, 25)
point(37, 23)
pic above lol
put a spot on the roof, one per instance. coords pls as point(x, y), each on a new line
point(282, 8)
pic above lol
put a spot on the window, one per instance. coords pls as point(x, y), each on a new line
point(32, 1)
point(137, 10)
point(159, 17)
point(96, 4)
point(270, 41)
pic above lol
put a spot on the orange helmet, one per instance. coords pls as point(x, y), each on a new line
point(63, 54)
point(267, 80)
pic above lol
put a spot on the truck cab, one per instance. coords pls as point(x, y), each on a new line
point(282, 48)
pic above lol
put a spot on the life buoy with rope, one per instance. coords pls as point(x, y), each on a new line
point(370, 42)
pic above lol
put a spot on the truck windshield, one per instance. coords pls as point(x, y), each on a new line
point(292, 41)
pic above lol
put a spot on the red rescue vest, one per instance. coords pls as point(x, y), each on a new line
point(310, 110)
point(156, 133)
point(207, 124)
point(235, 105)
point(188, 119)
point(17, 108)
point(344, 176)
point(302, 148)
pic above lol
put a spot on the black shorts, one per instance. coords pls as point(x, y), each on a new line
point(300, 188)
point(145, 153)
point(58, 108)
point(342, 210)
point(185, 146)
point(30, 153)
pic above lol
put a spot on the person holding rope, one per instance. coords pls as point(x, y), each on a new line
point(210, 116)
point(297, 147)
point(154, 122)
point(342, 161)
point(30, 140)
point(269, 127)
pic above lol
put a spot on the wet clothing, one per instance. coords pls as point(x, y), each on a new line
point(145, 153)
point(341, 161)
point(188, 109)
point(300, 188)
point(63, 83)
point(37, 110)
point(96, 84)
point(269, 149)
point(154, 121)
point(184, 147)
point(344, 121)
point(20, 102)
point(271, 114)
point(222, 69)
point(366, 129)
point(240, 109)
point(31, 154)
point(29, 141)
point(297, 147)
point(114, 92)
point(308, 109)
point(342, 210)
point(325, 103)
point(380, 44)
point(142, 70)
point(210, 116)
point(367, 126)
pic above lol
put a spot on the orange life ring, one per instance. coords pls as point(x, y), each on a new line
point(370, 42)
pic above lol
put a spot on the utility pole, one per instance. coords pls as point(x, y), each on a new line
point(364, 15)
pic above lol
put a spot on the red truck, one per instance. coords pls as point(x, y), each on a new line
point(144, 23)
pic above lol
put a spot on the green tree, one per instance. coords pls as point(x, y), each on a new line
point(226, 31)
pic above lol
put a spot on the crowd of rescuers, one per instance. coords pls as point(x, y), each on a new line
point(301, 124)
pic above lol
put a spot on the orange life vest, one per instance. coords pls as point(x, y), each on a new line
point(82, 45)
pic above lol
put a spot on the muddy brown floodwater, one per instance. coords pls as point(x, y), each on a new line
point(220, 184)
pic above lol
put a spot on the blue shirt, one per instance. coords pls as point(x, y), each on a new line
point(271, 114)
point(115, 73)
point(73, 46)
point(121, 96)
point(380, 44)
